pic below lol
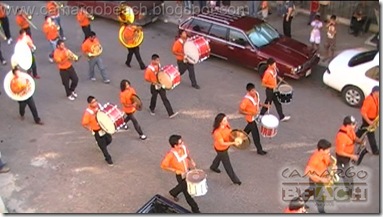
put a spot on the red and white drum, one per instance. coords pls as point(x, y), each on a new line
point(269, 125)
point(169, 77)
point(196, 49)
point(110, 118)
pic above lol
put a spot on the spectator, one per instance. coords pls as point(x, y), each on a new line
point(253, 8)
point(359, 20)
point(323, 9)
point(314, 8)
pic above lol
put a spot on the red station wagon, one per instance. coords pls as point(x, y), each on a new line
point(250, 42)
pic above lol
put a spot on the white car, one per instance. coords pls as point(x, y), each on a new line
point(354, 73)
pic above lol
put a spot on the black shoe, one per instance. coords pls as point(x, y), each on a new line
point(196, 211)
point(196, 86)
point(215, 170)
point(143, 67)
point(110, 162)
point(238, 183)
point(39, 123)
point(376, 153)
point(175, 198)
point(262, 152)
point(128, 65)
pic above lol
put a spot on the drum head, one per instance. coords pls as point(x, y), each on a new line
point(270, 121)
point(243, 136)
point(23, 55)
point(137, 100)
point(191, 52)
point(19, 96)
point(105, 122)
point(164, 79)
point(195, 176)
point(285, 88)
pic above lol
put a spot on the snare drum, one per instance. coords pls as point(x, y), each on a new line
point(169, 77)
point(285, 93)
point(269, 125)
point(196, 49)
point(110, 118)
point(196, 182)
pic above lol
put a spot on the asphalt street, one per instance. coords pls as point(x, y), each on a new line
point(57, 168)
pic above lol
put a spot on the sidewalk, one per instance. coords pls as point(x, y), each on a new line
point(300, 29)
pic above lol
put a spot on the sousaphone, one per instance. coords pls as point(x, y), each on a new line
point(129, 35)
point(23, 90)
point(22, 56)
point(242, 137)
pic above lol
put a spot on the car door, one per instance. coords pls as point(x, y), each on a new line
point(218, 40)
point(241, 51)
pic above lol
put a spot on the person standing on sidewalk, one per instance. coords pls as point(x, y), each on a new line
point(288, 14)
point(93, 49)
point(330, 39)
point(314, 8)
point(315, 34)
point(253, 8)
point(5, 23)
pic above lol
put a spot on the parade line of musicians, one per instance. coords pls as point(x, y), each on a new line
point(178, 160)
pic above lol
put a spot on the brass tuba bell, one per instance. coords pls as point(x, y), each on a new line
point(125, 13)
point(130, 35)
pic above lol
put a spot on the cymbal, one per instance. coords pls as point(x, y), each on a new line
point(241, 136)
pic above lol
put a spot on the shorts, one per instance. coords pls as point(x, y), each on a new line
point(330, 44)
point(314, 39)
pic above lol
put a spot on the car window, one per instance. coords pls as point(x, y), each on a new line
point(263, 34)
point(238, 37)
point(200, 26)
point(186, 24)
point(373, 73)
point(362, 58)
point(218, 31)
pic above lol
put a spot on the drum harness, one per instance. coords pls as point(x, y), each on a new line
point(254, 103)
point(181, 158)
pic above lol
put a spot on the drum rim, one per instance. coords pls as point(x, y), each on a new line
point(7, 88)
point(100, 112)
point(275, 121)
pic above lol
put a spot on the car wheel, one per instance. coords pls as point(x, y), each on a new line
point(353, 96)
point(261, 69)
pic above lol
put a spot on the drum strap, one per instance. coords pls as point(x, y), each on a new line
point(153, 69)
point(181, 41)
point(181, 158)
point(256, 104)
point(90, 111)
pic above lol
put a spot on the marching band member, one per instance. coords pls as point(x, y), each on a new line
point(133, 50)
point(90, 123)
point(129, 107)
point(92, 48)
point(222, 137)
point(53, 10)
point(27, 39)
point(316, 170)
point(369, 112)
point(155, 87)
point(21, 21)
point(18, 85)
point(249, 107)
point(296, 205)
point(178, 160)
point(84, 21)
point(269, 81)
point(345, 148)
point(178, 52)
point(51, 31)
point(5, 23)
point(63, 57)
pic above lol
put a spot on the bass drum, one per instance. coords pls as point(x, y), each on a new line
point(130, 35)
point(16, 93)
point(22, 56)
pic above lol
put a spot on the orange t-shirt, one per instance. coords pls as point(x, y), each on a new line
point(62, 59)
point(270, 78)
point(370, 107)
point(89, 119)
point(21, 21)
point(287, 210)
point(250, 104)
point(125, 98)
point(178, 47)
point(344, 141)
point(88, 46)
point(18, 85)
point(151, 73)
point(51, 32)
point(177, 159)
point(129, 33)
point(318, 164)
point(3, 12)
point(82, 18)
point(221, 133)
point(52, 9)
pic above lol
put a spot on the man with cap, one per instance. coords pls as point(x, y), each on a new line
point(369, 112)
point(345, 148)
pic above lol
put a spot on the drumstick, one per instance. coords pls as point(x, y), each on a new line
point(282, 80)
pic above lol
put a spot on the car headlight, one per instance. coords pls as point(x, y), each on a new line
point(296, 69)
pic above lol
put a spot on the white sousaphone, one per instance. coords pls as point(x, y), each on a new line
point(23, 55)
point(25, 77)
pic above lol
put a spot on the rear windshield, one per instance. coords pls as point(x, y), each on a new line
point(362, 58)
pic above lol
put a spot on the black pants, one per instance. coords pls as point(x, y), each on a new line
point(253, 128)
point(362, 25)
point(31, 104)
point(103, 142)
point(287, 26)
point(33, 69)
point(69, 80)
point(86, 30)
point(370, 136)
point(136, 52)
point(272, 97)
point(135, 123)
point(343, 164)
point(312, 190)
point(28, 31)
point(224, 157)
point(1, 54)
point(5, 24)
point(182, 187)
point(182, 67)
point(153, 100)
